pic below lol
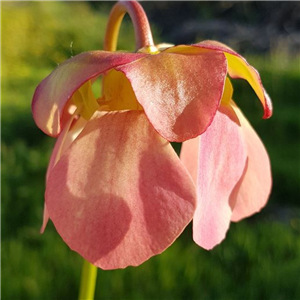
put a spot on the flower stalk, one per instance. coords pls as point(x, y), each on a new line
point(143, 35)
point(88, 281)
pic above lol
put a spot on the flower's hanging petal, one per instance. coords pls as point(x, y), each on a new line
point(59, 145)
point(45, 219)
point(70, 131)
point(238, 67)
point(179, 93)
point(189, 155)
point(53, 93)
point(55, 155)
point(252, 192)
point(119, 194)
point(222, 158)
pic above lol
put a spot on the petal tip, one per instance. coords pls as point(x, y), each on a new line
point(268, 109)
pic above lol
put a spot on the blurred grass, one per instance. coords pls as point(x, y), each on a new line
point(258, 260)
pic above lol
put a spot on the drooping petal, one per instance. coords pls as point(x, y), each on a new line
point(119, 194)
point(238, 67)
point(180, 93)
point(46, 219)
point(189, 156)
point(189, 153)
point(66, 137)
point(53, 93)
point(55, 155)
point(222, 157)
point(59, 145)
point(252, 192)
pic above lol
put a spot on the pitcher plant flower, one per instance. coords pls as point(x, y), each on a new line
point(116, 191)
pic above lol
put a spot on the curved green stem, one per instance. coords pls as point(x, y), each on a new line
point(143, 35)
point(88, 281)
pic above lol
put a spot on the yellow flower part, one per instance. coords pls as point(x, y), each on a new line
point(85, 100)
point(227, 93)
point(118, 93)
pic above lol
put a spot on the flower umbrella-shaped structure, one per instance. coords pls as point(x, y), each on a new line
point(116, 191)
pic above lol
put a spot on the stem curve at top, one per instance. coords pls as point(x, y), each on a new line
point(143, 34)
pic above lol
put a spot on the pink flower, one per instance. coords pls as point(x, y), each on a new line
point(116, 191)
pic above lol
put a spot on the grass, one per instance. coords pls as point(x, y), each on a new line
point(259, 258)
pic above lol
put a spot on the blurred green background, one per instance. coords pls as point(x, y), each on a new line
point(260, 259)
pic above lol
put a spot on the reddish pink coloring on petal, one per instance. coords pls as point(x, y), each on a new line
point(180, 93)
point(222, 157)
point(252, 192)
point(119, 194)
point(53, 93)
point(238, 67)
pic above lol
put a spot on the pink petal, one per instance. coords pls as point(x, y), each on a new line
point(66, 137)
point(252, 192)
point(45, 218)
point(222, 157)
point(119, 194)
point(189, 156)
point(53, 93)
point(179, 93)
point(55, 155)
point(238, 67)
